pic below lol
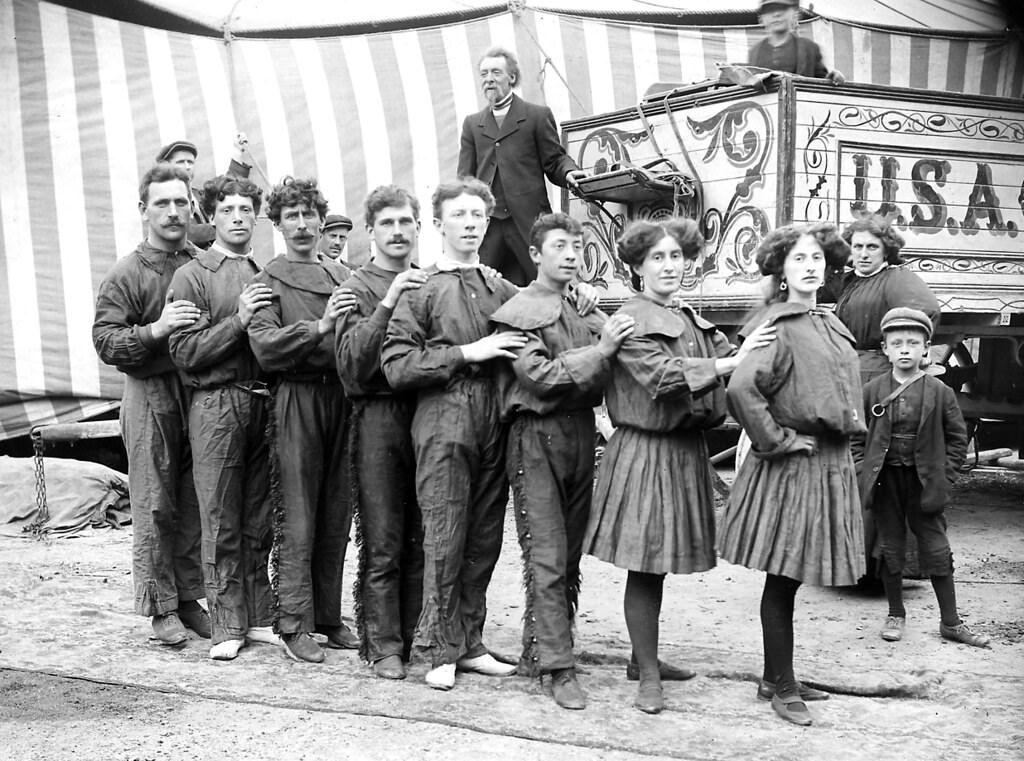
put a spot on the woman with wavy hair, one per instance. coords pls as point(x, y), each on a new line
point(794, 512)
point(653, 509)
point(877, 283)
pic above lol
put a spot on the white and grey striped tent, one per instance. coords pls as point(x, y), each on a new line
point(88, 100)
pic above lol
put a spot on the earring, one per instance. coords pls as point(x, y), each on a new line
point(783, 286)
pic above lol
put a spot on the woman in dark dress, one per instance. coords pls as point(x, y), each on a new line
point(794, 510)
point(876, 284)
point(653, 504)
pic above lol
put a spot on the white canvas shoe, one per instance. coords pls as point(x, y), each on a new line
point(226, 650)
point(487, 665)
point(442, 677)
point(263, 634)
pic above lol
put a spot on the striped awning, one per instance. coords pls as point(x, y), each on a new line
point(87, 101)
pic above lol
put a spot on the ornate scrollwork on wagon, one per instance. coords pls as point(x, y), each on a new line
point(744, 133)
point(917, 122)
point(816, 153)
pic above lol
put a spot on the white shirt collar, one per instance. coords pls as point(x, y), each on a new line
point(447, 264)
point(884, 265)
point(230, 254)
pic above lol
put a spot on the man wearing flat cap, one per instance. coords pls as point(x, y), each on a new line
point(183, 154)
point(782, 50)
point(334, 236)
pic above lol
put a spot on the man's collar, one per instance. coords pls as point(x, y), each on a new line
point(156, 258)
point(229, 254)
point(447, 264)
point(149, 249)
point(504, 103)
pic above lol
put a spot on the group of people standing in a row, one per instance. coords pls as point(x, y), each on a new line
point(414, 397)
point(265, 408)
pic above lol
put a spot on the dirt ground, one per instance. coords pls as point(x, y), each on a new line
point(80, 679)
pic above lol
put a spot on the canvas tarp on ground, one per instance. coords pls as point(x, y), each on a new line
point(87, 101)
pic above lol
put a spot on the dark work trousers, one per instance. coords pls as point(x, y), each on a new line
point(504, 249)
point(551, 468)
point(872, 364)
point(896, 505)
point(311, 419)
point(227, 431)
point(462, 491)
point(389, 591)
point(166, 565)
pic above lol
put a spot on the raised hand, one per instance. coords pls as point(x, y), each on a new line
point(616, 330)
point(495, 345)
point(490, 272)
point(253, 298)
point(175, 314)
point(342, 300)
point(761, 337)
point(410, 280)
point(585, 296)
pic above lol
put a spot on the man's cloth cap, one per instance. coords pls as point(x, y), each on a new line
point(178, 145)
point(336, 220)
point(766, 4)
point(906, 317)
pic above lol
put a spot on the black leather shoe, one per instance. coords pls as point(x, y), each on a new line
point(666, 671)
point(339, 637)
point(302, 647)
point(567, 691)
point(649, 697)
point(766, 691)
point(792, 709)
point(168, 629)
point(195, 618)
point(389, 667)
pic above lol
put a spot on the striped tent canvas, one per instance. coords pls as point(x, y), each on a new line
point(89, 100)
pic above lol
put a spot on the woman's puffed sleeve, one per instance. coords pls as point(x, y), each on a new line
point(751, 387)
point(663, 375)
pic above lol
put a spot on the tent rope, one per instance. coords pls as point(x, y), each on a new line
point(229, 37)
point(516, 8)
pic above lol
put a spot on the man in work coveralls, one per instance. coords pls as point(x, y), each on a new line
point(556, 381)
point(294, 339)
point(227, 418)
point(439, 343)
point(380, 452)
point(135, 314)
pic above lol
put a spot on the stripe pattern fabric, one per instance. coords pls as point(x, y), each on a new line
point(88, 101)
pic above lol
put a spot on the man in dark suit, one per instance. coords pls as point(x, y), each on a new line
point(512, 145)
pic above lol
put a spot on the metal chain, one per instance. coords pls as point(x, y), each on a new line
point(38, 527)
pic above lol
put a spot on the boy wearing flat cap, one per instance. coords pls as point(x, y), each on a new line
point(782, 50)
point(906, 463)
point(183, 154)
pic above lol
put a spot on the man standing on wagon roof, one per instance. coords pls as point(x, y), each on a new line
point(782, 50)
point(512, 146)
